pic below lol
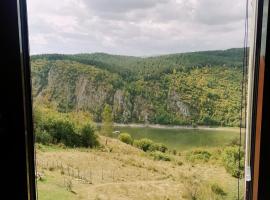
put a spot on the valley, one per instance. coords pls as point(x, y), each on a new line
point(112, 127)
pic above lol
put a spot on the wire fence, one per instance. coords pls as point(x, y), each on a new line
point(87, 176)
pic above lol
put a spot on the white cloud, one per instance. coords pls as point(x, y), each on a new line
point(134, 27)
point(123, 6)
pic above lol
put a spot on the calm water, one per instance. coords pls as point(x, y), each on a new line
point(183, 139)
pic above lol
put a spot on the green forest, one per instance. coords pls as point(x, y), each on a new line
point(197, 88)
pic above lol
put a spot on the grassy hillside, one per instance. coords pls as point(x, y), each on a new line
point(185, 89)
point(120, 171)
point(76, 161)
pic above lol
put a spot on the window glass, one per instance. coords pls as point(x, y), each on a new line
point(138, 99)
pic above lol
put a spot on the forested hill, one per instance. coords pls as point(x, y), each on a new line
point(185, 88)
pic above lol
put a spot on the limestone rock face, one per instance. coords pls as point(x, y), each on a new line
point(122, 107)
point(90, 96)
point(142, 109)
point(79, 91)
point(176, 105)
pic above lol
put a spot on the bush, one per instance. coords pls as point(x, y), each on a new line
point(216, 189)
point(88, 136)
point(126, 138)
point(198, 155)
point(148, 145)
point(197, 189)
point(230, 158)
point(72, 129)
point(43, 137)
point(174, 151)
point(144, 144)
point(157, 155)
point(179, 163)
point(62, 131)
point(234, 142)
point(158, 147)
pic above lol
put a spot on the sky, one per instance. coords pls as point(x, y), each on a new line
point(134, 27)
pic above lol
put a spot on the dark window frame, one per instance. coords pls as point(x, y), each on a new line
point(16, 123)
point(260, 157)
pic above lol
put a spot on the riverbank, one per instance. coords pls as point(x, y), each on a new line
point(159, 126)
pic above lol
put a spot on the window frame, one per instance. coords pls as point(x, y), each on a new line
point(16, 123)
point(260, 165)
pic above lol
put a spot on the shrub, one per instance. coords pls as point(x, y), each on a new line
point(63, 131)
point(126, 138)
point(43, 137)
point(198, 155)
point(157, 155)
point(179, 162)
point(230, 158)
point(234, 142)
point(143, 144)
point(148, 145)
point(158, 147)
point(70, 129)
point(88, 136)
point(197, 189)
point(215, 188)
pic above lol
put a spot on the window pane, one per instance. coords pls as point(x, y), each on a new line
point(138, 99)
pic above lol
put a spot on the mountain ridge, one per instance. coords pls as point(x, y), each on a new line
point(187, 88)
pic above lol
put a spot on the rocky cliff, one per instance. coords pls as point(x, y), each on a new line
point(170, 94)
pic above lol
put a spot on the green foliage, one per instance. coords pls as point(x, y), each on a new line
point(217, 189)
point(198, 155)
point(88, 136)
point(206, 84)
point(143, 144)
point(233, 165)
point(62, 131)
point(43, 137)
point(107, 121)
point(126, 138)
point(234, 142)
point(157, 155)
point(158, 147)
point(146, 144)
point(130, 65)
point(60, 128)
point(174, 151)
